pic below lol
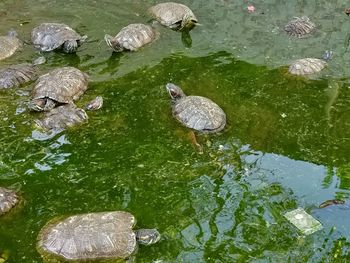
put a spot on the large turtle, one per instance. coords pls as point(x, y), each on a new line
point(299, 27)
point(50, 36)
point(131, 37)
point(196, 112)
point(307, 66)
point(16, 75)
point(8, 199)
point(61, 117)
point(61, 85)
point(94, 236)
point(9, 44)
point(174, 15)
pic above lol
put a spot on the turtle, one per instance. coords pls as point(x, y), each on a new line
point(174, 15)
point(51, 36)
point(61, 85)
point(196, 112)
point(8, 199)
point(9, 44)
point(307, 66)
point(299, 27)
point(95, 104)
point(16, 75)
point(131, 37)
point(94, 236)
point(61, 117)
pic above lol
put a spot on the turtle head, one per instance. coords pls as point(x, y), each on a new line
point(41, 104)
point(188, 21)
point(147, 236)
point(175, 92)
point(70, 46)
point(12, 33)
point(113, 43)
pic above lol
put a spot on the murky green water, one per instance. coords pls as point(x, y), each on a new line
point(286, 144)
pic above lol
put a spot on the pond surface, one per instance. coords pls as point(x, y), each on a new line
point(286, 144)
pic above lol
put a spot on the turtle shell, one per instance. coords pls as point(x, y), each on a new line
point(199, 113)
point(170, 14)
point(63, 85)
point(104, 235)
point(299, 27)
point(17, 75)
point(8, 199)
point(8, 46)
point(61, 117)
point(134, 36)
point(50, 36)
point(307, 66)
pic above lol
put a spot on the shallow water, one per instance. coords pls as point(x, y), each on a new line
point(285, 146)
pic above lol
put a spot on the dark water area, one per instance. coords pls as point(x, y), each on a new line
point(285, 145)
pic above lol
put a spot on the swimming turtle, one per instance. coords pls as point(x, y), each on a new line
point(9, 44)
point(196, 112)
point(131, 37)
point(299, 27)
point(95, 104)
point(94, 236)
point(16, 75)
point(174, 15)
point(61, 85)
point(307, 66)
point(50, 36)
point(8, 199)
point(61, 117)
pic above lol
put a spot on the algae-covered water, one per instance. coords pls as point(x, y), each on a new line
point(286, 144)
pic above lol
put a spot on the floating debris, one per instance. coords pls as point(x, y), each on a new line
point(331, 202)
point(251, 9)
point(303, 221)
point(347, 11)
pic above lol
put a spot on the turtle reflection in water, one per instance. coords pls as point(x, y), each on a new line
point(60, 118)
point(94, 236)
point(9, 44)
point(8, 199)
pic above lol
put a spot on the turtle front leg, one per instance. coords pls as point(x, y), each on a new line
point(49, 105)
point(70, 46)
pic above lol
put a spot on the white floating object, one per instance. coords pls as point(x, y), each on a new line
point(303, 221)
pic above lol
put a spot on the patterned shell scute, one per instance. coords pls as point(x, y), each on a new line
point(105, 235)
point(200, 113)
point(169, 14)
point(135, 36)
point(61, 117)
point(8, 46)
point(64, 85)
point(307, 66)
point(49, 36)
point(299, 27)
point(16, 75)
point(8, 199)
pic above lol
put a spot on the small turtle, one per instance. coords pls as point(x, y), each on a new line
point(196, 112)
point(16, 75)
point(50, 36)
point(131, 37)
point(174, 15)
point(9, 44)
point(61, 117)
point(8, 199)
point(299, 27)
point(94, 236)
point(61, 85)
point(307, 66)
point(95, 104)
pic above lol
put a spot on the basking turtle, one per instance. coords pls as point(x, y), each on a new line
point(61, 85)
point(174, 15)
point(8, 199)
point(94, 236)
point(61, 117)
point(50, 36)
point(196, 112)
point(307, 66)
point(9, 44)
point(131, 37)
point(16, 75)
point(299, 27)
point(95, 104)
